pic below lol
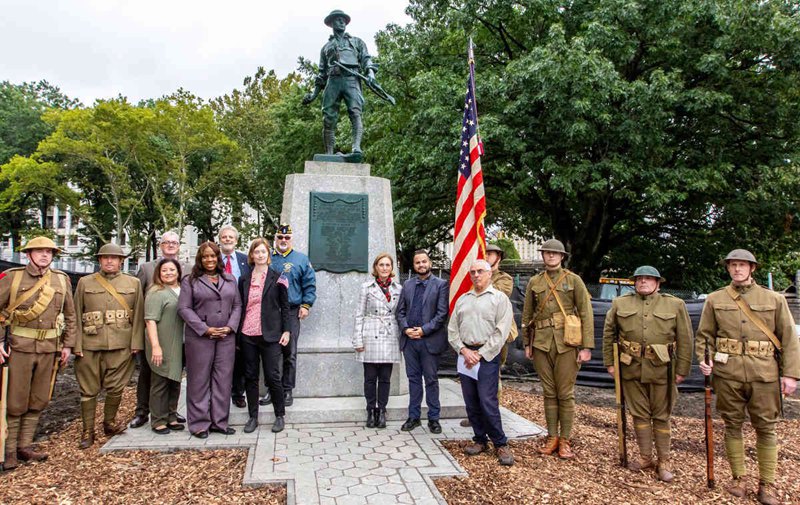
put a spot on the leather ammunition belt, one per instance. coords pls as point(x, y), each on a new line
point(759, 348)
point(543, 323)
point(34, 333)
point(98, 318)
point(637, 350)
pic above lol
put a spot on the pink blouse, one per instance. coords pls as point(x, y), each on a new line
point(252, 314)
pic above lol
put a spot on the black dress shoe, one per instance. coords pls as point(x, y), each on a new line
point(251, 425)
point(287, 398)
point(164, 430)
point(180, 418)
point(226, 431)
point(240, 402)
point(434, 426)
point(278, 425)
point(138, 421)
point(410, 424)
point(201, 434)
point(265, 400)
point(176, 426)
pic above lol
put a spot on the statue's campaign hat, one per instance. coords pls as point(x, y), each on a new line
point(334, 14)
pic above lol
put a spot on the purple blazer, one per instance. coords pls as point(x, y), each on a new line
point(202, 305)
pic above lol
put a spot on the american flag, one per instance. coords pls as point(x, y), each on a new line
point(470, 235)
point(283, 281)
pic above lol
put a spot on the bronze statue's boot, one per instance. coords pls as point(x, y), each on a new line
point(329, 139)
point(357, 129)
point(564, 449)
point(27, 429)
point(644, 438)
point(550, 446)
point(766, 494)
point(736, 487)
point(88, 406)
point(110, 426)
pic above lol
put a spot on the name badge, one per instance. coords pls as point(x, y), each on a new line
point(721, 357)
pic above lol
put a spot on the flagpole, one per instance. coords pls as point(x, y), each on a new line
point(471, 60)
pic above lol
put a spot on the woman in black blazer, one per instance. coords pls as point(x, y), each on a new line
point(264, 329)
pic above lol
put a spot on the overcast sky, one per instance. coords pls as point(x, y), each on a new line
point(148, 48)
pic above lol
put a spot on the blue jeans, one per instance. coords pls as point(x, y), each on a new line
point(420, 363)
point(483, 407)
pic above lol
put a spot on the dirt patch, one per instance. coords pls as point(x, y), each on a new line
point(595, 477)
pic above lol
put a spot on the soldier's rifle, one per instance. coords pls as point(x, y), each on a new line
point(371, 84)
point(622, 420)
point(709, 427)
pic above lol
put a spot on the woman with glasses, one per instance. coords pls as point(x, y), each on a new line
point(209, 304)
point(376, 337)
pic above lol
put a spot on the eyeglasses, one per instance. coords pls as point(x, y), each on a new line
point(283, 237)
point(477, 272)
point(171, 242)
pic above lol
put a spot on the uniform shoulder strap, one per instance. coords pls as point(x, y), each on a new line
point(752, 317)
point(113, 292)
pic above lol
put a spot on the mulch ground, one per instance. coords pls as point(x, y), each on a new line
point(71, 475)
point(595, 477)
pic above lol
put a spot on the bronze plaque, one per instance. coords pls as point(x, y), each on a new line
point(338, 238)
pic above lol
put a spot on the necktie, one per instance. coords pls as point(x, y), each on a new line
point(228, 265)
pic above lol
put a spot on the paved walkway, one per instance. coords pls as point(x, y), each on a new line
point(339, 463)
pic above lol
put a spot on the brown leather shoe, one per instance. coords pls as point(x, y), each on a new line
point(766, 494)
point(504, 456)
point(87, 439)
point(475, 448)
point(11, 462)
point(564, 449)
point(641, 464)
point(665, 471)
point(111, 429)
point(736, 487)
point(550, 446)
point(465, 423)
point(28, 454)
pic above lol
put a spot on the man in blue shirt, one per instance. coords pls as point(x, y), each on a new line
point(422, 317)
point(234, 263)
point(302, 295)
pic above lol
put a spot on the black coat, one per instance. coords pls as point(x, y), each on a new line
point(274, 305)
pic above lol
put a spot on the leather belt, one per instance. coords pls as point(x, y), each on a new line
point(637, 350)
point(759, 348)
point(34, 333)
point(543, 323)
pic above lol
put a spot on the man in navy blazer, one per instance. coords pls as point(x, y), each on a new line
point(235, 263)
point(422, 317)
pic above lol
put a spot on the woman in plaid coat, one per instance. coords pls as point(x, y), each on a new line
point(376, 337)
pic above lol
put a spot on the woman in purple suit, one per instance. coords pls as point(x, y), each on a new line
point(210, 306)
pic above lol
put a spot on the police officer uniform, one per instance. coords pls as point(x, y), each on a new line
point(555, 361)
point(108, 331)
point(746, 373)
point(37, 309)
point(653, 331)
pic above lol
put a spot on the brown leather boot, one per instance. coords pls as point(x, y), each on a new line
point(550, 446)
point(475, 448)
point(11, 461)
point(642, 464)
point(113, 428)
point(28, 454)
point(87, 439)
point(736, 487)
point(766, 494)
point(564, 449)
point(665, 471)
point(504, 456)
point(87, 416)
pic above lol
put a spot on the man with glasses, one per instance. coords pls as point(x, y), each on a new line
point(170, 246)
point(477, 331)
point(235, 263)
point(302, 295)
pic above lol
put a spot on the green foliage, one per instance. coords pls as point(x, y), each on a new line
point(509, 249)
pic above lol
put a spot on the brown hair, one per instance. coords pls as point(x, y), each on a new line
point(375, 264)
point(253, 245)
point(198, 270)
point(157, 283)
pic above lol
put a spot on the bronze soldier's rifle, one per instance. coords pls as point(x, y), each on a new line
point(709, 427)
point(374, 86)
point(622, 420)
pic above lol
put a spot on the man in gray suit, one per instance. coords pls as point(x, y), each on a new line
point(170, 246)
point(422, 317)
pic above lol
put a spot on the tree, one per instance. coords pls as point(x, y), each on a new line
point(627, 130)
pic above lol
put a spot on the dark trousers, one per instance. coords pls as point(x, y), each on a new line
point(421, 364)
point(377, 380)
point(290, 351)
point(255, 350)
point(164, 394)
point(143, 386)
point(237, 388)
point(483, 407)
